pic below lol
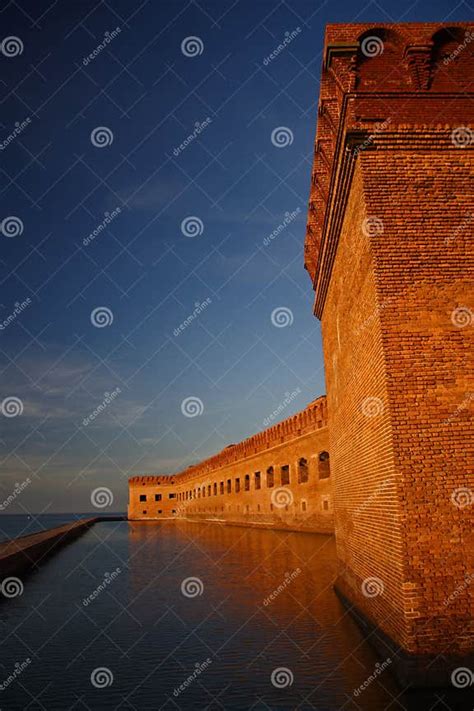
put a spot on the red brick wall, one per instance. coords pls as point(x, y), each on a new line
point(302, 506)
point(389, 220)
point(367, 521)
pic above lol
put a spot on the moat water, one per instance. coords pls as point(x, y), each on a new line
point(262, 601)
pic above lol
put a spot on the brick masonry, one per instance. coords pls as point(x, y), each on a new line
point(388, 227)
point(390, 216)
point(278, 478)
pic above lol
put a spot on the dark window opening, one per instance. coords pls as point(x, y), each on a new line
point(247, 482)
point(323, 465)
point(258, 482)
point(172, 496)
point(229, 486)
point(237, 485)
point(157, 497)
point(222, 487)
point(142, 497)
point(285, 475)
point(302, 471)
point(270, 477)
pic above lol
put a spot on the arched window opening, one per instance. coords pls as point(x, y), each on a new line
point(323, 465)
point(270, 477)
point(303, 473)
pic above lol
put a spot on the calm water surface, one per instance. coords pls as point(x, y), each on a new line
point(150, 636)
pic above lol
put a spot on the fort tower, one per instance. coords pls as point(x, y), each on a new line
point(389, 221)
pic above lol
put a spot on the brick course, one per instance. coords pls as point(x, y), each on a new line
point(201, 491)
point(388, 227)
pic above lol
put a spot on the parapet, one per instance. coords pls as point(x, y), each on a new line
point(313, 417)
point(379, 83)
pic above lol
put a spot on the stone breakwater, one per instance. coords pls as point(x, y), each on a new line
point(27, 552)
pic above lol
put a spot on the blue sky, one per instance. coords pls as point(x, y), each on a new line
point(98, 132)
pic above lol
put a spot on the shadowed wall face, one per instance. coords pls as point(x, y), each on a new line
point(388, 258)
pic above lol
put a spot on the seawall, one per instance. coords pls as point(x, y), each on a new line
point(27, 552)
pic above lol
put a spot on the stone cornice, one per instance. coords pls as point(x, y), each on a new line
point(372, 73)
